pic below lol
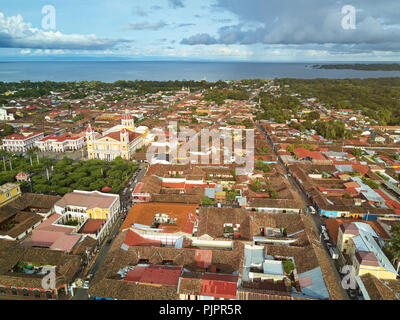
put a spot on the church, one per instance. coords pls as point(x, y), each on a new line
point(121, 140)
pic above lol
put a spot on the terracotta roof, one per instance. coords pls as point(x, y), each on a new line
point(144, 213)
point(92, 226)
point(127, 115)
point(134, 239)
point(17, 136)
point(376, 288)
point(219, 285)
point(155, 274)
point(67, 265)
point(117, 135)
point(66, 242)
point(87, 199)
point(367, 258)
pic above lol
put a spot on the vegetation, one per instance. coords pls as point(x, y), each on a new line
point(207, 201)
point(219, 96)
point(359, 66)
point(357, 152)
point(8, 129)
point(72, 223)
point(278, 108)
point(288, 266)
point(379, 99)
point(393, 245)
point(370, 183)
point(260, 165)
point(66, 175)
point(333, 130)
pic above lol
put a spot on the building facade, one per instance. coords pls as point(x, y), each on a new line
point(61, 143)
point(121, 140)
point(9, 192)
point(21, 142)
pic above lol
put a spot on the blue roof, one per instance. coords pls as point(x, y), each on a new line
point(344, 168)
point(318, 288)
point(209, 192)
point(273, 267)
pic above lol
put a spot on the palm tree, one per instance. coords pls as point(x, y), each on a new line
point(3, 154)
point(9, 155)
point(30, 153)
point(36, 151)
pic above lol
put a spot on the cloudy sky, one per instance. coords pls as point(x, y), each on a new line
point(251, 30)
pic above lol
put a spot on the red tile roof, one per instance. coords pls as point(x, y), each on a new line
point(117, 135)
point(17, 136)
point(203, 258)
point(92, 225)
point(155, 274)
point(134, 239)
point(304, 153)
point(219, 285)
point(66, 242)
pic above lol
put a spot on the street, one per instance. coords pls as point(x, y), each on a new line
point(126, 202)
point(317, 220)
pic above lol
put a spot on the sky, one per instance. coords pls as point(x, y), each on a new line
point(220, 30)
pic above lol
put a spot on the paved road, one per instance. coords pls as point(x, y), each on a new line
point(106, 244)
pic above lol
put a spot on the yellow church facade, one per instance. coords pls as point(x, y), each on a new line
point(122, 140)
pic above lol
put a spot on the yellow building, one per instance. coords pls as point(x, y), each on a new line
point(9, 192)
point(82, 205)
point(363, 245)
point(122, 140)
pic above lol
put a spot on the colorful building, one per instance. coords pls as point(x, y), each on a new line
point(9, 192)
point(122, 140)
point(21, 142)
point(363, 246)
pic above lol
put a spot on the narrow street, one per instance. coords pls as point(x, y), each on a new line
point(317, 220)
point(97, 261)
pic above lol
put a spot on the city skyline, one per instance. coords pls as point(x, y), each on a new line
point(214, 30)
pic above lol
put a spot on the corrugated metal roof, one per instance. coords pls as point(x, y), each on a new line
point(315, 288)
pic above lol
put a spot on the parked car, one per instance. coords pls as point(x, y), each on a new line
point(334, 253)
point(89, 276)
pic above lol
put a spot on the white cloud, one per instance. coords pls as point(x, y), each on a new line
point(15, 33)
point(145, 26)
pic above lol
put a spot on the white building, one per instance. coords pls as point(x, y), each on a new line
point(61, 143)
point(21, 142)
point(5, 116)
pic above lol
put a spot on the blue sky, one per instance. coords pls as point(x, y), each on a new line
point(252, 30)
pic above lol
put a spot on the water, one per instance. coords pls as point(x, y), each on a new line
point(110, 71)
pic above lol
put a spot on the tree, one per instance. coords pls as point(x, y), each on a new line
point(207, 201)
point(393, 245)
point(8, 129)
point(313, 116)
point(357, 152)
